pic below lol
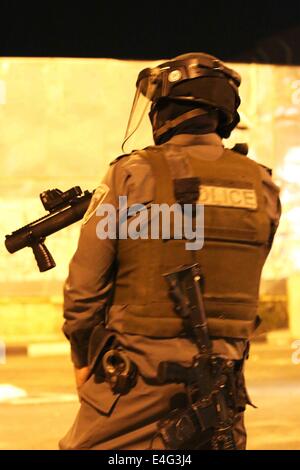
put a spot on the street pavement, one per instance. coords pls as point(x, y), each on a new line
point(46, 402)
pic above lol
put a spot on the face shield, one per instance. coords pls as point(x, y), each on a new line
point(146, 90)
point(156, 83)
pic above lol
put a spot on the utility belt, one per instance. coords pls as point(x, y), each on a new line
point(208, 418)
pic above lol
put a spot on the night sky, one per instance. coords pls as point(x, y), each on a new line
point(266, 31)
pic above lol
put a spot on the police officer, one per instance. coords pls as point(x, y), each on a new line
point(119, 318)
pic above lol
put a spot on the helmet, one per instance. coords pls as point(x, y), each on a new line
point(197, 78)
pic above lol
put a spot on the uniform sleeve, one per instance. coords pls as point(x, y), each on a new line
point(88, 286)
point(272, 201)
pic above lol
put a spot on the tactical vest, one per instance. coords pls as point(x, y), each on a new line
point(236, 244)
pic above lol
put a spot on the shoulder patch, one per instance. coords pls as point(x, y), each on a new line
point(97, 199)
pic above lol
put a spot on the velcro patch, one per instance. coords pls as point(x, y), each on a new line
point(97, 198)
point(243, 198)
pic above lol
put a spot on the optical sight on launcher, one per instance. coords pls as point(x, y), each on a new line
point(64, 209)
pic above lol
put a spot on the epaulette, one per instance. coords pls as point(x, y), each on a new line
point(122, 156)
point(269, 170)
point(119, 158)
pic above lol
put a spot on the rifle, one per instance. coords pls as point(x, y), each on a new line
point(64, 209)
point(210, 381)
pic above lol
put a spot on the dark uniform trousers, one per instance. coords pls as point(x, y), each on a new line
point(108, 421)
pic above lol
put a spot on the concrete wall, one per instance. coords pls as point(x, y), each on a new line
point(63, 120)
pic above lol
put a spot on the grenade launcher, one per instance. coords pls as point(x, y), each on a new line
point(64, 209)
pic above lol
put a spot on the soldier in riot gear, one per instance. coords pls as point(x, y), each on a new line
point(119, 316)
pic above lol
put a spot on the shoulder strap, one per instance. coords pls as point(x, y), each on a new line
point(164, 192)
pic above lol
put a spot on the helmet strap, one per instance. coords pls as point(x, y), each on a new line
point(170, 124)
